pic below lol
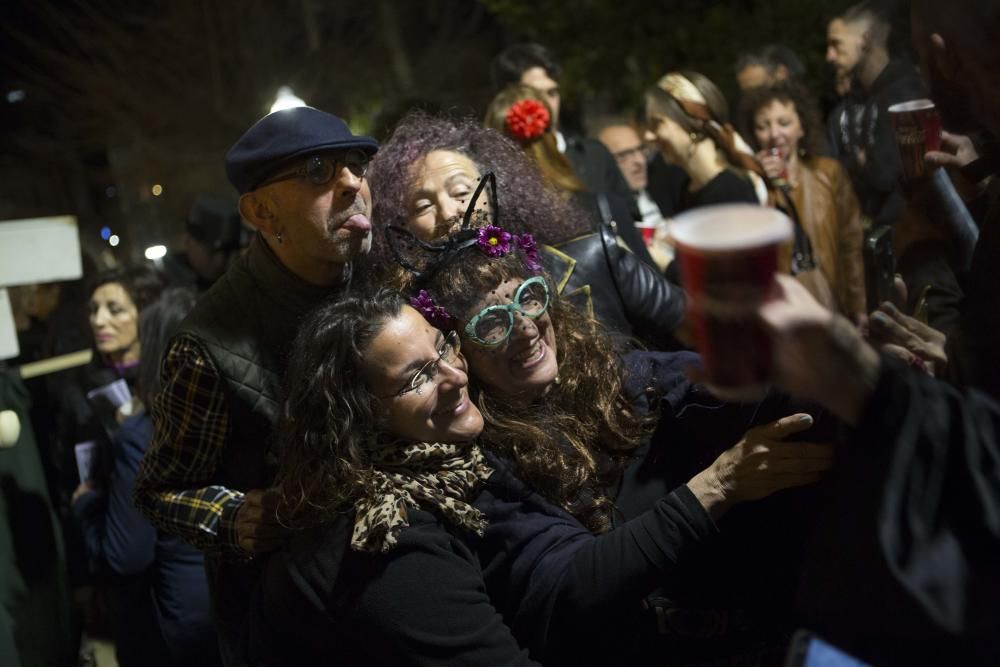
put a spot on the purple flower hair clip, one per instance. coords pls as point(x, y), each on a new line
point(494, 241)
point(529, 248)
point(433, 313)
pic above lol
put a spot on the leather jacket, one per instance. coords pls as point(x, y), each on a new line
point(609, 283)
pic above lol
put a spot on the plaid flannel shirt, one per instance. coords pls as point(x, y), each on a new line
point(191, 425)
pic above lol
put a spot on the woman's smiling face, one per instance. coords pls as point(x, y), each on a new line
point(524, 366)
point(422, 382)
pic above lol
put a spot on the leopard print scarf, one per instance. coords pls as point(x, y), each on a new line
point(438, 477)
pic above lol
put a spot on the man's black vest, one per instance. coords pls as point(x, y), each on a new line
point(246, 323)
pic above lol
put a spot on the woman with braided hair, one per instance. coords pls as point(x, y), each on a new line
point(687, 119)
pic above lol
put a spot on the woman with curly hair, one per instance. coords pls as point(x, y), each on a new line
point(605, 437)
point(786, 132)
point(417, 547)
point(425, 174)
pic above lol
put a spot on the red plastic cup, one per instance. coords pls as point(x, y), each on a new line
point(648, 231)
point(728, 258)
point(918, 129)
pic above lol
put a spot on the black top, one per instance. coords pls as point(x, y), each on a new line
point(537, 581)
point(905, 566)
point(595, 166)
point(545, 584)
point(569, 596)
point(726, 188)
point(734, 603)
point(860, 126)
point(666, 185)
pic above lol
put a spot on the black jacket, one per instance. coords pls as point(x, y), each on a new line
point(595, 166)
point(609, 283)
point(860, 126)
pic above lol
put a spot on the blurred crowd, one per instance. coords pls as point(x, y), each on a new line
point(434, 399)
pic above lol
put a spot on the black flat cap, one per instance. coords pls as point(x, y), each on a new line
point(283, 135)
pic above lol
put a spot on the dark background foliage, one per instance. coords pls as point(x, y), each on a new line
point(117, 95)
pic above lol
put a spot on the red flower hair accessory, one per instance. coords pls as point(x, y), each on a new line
point(527, 119)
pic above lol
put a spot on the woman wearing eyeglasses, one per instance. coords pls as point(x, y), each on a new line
point(423, 180)
point(607, 439)
point(417, 547)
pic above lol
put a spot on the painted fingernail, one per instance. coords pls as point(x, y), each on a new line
point(880, 317)
point(805, 418)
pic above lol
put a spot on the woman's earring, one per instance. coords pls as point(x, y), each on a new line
point(277, 235)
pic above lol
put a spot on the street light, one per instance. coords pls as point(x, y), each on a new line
point(286, 99)
point(156, 252)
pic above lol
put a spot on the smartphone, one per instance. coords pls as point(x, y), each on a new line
point(880, 266)
point(808, 650)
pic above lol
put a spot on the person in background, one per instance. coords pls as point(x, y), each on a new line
point(534, 65)
point(301, 177)
point(688, 120)
point(213, 234)
point(523, 114)
point(860, 133)
point(145, 566)
point(622, 139)
point(904, 569)
point(86, 409)
point(424, 179)
point(768, 66)
point(787, 133)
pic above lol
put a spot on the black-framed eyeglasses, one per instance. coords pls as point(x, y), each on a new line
point(321, 169)
point(447, 353)
point(492, 325)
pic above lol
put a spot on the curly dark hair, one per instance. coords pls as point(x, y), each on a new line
point(787, 92)
point(521, 189)
point(330, 415)
point(574, 443)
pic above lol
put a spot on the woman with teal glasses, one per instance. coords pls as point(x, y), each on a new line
point(609, 438)
point(416, 546)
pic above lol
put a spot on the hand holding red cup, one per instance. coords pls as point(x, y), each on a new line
point(917, 124)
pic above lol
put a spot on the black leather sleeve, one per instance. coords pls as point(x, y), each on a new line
point(653, 305)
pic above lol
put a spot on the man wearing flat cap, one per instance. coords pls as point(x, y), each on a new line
point(301, 178)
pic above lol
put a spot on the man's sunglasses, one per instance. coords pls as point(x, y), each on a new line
point(321, 169)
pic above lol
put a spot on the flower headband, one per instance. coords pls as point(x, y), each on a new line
point(493, 242)
point(527, 119)
point(422, 258)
